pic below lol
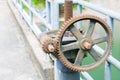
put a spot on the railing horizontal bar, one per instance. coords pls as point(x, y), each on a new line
point(61, 1)
point(35, 29)
point(81, 78)
point(93, 7)
point(114, 61)
point(87, 76)
point(99, 9)
point(110, 59)
point(44, 21)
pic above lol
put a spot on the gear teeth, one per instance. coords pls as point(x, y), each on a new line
point(70, 19)
point(64, 28)
point(67, 22)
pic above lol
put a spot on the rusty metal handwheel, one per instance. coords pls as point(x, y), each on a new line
point(84, 42)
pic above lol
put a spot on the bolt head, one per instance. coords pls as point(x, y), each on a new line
point(87, 45)
point(51, 48)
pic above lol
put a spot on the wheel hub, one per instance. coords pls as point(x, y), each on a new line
point(86, 44)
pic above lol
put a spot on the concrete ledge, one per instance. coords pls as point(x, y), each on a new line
point(42, 61)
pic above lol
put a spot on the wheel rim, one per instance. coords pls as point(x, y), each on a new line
point(84, 43)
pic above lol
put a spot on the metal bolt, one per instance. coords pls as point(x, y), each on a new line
point(51, 48)
point(87, 45)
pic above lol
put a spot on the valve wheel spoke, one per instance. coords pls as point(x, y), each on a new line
point(99, 40)
point(76, 32)
point(94, 54)
point(84, 43)
point(70, 46)
point(80, 56)
point(90, 28)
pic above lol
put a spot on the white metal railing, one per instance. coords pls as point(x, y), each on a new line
point(52, 22)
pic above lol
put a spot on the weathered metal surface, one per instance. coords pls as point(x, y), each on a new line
point(64, 73)
point(68, 9)
point(84, 43)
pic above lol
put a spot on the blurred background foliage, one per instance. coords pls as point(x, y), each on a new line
point(40, 4)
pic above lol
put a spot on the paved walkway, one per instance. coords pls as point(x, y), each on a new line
point(15, 61)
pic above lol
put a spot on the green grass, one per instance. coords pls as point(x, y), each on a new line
point(39, 4)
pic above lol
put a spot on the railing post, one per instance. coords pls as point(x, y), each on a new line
point(15, 1)
point(31, 13)
point(48, 11)
point(21, 4)
point(79, 11)
point(110, 21)
point(54, 15)
point(108, 69)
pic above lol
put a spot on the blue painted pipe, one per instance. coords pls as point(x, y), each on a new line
point(61, 72)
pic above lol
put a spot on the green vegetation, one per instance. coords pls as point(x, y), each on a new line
point(39, 4)
point(87, 0)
